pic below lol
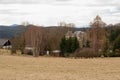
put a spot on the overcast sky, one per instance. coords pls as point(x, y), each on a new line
point(51, 12)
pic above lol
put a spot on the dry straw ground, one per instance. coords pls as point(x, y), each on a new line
point(47, 68)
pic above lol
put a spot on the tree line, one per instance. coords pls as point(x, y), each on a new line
point(101, 41)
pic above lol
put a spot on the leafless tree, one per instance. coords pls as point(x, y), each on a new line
point(35, 37)
point(54, 36)
point(98, 34)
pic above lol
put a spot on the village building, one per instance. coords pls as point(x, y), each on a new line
point(5, 44)
point(81, 37)
point(28, 49)
point(69, 34)
point(55, 53)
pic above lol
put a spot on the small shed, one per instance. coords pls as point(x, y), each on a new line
point(56, 53)
point(5, 44)
point(28, 49)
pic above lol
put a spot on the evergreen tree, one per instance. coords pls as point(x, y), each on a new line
point(63, 45)
point(114, 34)
point(73, 45)
point(117, 43)
point(76, 43)
point(69, 45)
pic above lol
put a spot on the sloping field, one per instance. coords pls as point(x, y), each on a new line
point(47, 68)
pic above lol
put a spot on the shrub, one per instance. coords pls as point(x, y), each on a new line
point(28, 52)
point(13, 51)
point(87, 53)
point(116, 53)
point(109, 54)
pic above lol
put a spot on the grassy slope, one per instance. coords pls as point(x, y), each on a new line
point(42, 68)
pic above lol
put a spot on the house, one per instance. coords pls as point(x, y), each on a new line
point(28, 49)
point(69, 34)
point(5, 44)
point(56, 53)
point(81, 37)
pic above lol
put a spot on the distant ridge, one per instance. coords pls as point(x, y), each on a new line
point(11, 31)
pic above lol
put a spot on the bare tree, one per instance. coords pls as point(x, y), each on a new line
point(98, 34)
point(54, 36)
point(35, 37)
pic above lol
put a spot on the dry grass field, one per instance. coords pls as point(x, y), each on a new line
point(48, 68)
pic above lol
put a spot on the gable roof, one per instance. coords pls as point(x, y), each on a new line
point(70, 34)
point(3, 41)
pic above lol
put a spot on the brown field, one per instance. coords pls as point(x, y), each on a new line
point(48, 68)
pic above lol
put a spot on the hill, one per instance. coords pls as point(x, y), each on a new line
point(11, 31)
point(14, 30)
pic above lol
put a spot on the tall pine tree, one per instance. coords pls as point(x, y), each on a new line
point(63, 46)
point(69, 45)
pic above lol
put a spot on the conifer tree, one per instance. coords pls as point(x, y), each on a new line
point(69, 45)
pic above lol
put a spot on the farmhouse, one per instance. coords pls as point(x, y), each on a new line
point(5, 44)
point(81, 36)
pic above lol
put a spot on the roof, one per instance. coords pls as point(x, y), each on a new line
point(70, 34)
point(3, 41)
point(56, 51)
point(79, 32)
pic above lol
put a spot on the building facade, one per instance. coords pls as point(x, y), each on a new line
point(81, 37)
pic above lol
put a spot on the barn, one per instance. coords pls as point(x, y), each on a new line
point(5, 43)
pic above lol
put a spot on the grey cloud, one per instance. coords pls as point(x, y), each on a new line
point(12, 12)
point(96, 3)
point(17, 1)
point(64, 0)
point(118, 8)
point(109, 12)
point(116, 11)
point(31, 1)
point(20, 1)
point(103, 3)
point(107, 1)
